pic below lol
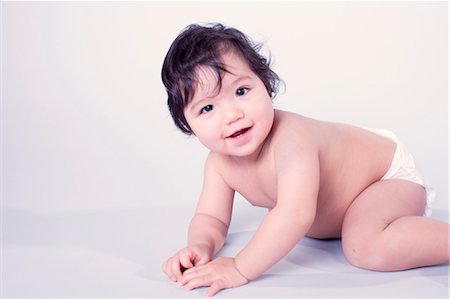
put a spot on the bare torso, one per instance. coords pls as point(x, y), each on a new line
point(346, 154)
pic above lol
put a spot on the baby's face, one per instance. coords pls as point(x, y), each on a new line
point(235, 119)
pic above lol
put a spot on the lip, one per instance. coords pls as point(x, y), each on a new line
point(240, 136)
point(239, 133)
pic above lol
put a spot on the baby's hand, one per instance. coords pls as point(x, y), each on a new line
point(186, 258)
point(218, 274)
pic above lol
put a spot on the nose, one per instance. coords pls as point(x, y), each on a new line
point(233, 114)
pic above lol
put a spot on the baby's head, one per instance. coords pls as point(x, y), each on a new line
point(203, 46)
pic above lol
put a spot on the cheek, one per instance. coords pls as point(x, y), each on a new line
point(265, 108)
point(206, 133)
point(209, 141)
point(201, 126)
point(265, 115)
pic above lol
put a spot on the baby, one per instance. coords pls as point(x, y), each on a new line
point(317, 179)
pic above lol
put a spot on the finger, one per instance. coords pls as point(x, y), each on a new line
point(192, 270)
point(202, 261)
point(200, 281)
point(175, 269)
point(166, 269)
point(215, 287)
point(185, 260)
point(190, 274)
point(196, 273)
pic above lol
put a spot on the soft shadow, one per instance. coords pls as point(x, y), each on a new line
point(150, 235)
point(312, 261)
point(317, 280)
point(308, 253)
point(439, 214)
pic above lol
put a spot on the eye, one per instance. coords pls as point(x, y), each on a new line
point(206, 109)
point(241, 91)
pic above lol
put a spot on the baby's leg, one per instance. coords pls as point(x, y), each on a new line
point(383, 229)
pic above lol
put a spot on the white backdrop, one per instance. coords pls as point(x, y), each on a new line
point(84, 119)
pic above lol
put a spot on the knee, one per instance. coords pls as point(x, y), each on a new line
point(368, 254)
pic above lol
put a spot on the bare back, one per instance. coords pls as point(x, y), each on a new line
point(350, 160)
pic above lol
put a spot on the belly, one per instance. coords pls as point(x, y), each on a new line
point(332, 205)
point(327, 224)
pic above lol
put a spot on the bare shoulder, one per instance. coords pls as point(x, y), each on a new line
point(222, 167)
point(217, 162)
point(293, 130)
point(294, 143)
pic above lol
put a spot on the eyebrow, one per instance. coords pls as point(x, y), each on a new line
point(198, 102)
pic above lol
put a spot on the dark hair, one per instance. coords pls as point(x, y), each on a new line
point(199, 45)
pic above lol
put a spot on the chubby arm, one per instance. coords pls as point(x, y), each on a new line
point(212, 217)
point(281, 229)
point(298, 176)
point(208, 227)
point(291, 218)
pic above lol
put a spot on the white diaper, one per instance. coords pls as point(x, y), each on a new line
point(404, 167)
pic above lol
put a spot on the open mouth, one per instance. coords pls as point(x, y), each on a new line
point(239, 133)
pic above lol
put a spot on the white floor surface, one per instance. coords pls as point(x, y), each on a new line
point(119, 253)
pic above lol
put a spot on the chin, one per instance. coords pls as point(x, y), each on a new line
point(245, 151)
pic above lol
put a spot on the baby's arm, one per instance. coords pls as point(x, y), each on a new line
point(208, 227)
point(282, 228)
point(290, 219)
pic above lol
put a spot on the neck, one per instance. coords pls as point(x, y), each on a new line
point(252, 158)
